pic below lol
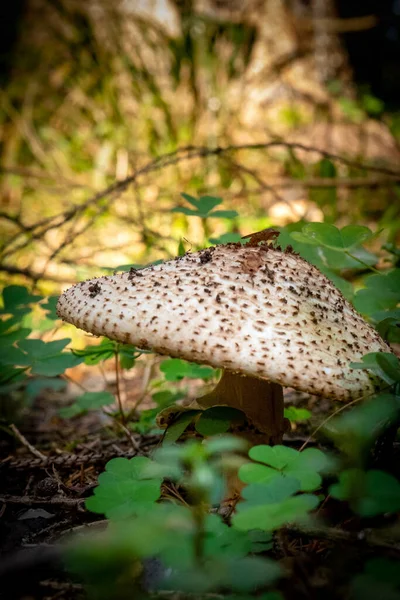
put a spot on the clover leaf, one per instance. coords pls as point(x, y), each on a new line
point(384, 364)
point(16, 300)
point(305, 466)
point(272, 516)
point(125, 488)
point(87, 401)
point(296, 415)
point(218, 419)
point(324, 234)
point(204, 208)
point(175, 369)
point(380, 295)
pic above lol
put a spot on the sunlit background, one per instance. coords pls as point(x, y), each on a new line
point(95, 92)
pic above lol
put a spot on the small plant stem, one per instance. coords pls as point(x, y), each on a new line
point(325, 421)
point(145, 384)
point(206, 228)
point(369, 267)
point(125, 429)
point(25, 443)
point(199, 535)
point(79, 385)
point(103, 373)
point(117, 381)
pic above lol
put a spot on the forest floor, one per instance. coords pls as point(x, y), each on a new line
point(42, 503)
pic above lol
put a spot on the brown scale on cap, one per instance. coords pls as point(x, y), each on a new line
point(264, 314)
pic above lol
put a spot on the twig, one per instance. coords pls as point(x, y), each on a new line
point(9, 499)
point(118, 389)
point(331, 534)
point(13, 270)
point(336, 412)
point(145, 382)
point(135, 445)
point(328, 182)
point(25, 443)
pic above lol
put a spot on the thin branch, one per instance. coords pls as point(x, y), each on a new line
point(328, 182)
point(61, 501)
point(12, 270)
point(118, 388)
point(113, 191)
point(41, 175)
point(25, 443)
point(331, 534)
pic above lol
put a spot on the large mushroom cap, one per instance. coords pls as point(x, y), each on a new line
point(252, 310)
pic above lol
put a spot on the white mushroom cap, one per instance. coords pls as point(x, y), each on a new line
point(252, 310)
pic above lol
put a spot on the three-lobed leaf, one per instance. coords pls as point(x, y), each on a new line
point(324, 234)
point(203, 207)
point(125, 488)
point(175, 369)
point(87, 401)
point(305, 466)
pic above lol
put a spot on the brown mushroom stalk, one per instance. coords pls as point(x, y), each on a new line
point(266, 317)
point(260, 400)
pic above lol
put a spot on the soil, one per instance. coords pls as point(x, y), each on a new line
point(42, 501)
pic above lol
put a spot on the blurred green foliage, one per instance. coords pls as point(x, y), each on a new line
point(89, 146)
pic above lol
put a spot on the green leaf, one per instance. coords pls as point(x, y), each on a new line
point(8, 339)
point(125, 489)
point(203, 208)
point(226, 238)
point(330, 236)
point(389, 329)
point(261, 541)
point(175, 430)
point(40, 349)
point(224, 214)
point(384, 364)
point(225, 443)
point(297, 415)
point(355, 430)
point(278, 457)
point(49, 306)
point(381, 293)
point(305, 466)
point(15, 297)
point(276, 490)
point(191, 199)
point(93, 355)
point(206, 204)
point(272, 516)
point(9, 376)
point(218, 419)
point(175, 369)
point(186, 211)
point(354, 235)
point(88, 401)
point(327, 168)
point(36, 385)
point(369, 493)
point(239, 575)
point(9, 355)
point(320, 234)
point(55, 365)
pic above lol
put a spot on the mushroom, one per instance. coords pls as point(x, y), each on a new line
point(265, 316)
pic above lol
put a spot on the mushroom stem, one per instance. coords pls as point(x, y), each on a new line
point(259, 399)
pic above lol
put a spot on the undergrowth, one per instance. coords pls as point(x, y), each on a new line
point(164, 508)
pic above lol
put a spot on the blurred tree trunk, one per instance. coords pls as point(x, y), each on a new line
point(330, 55)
